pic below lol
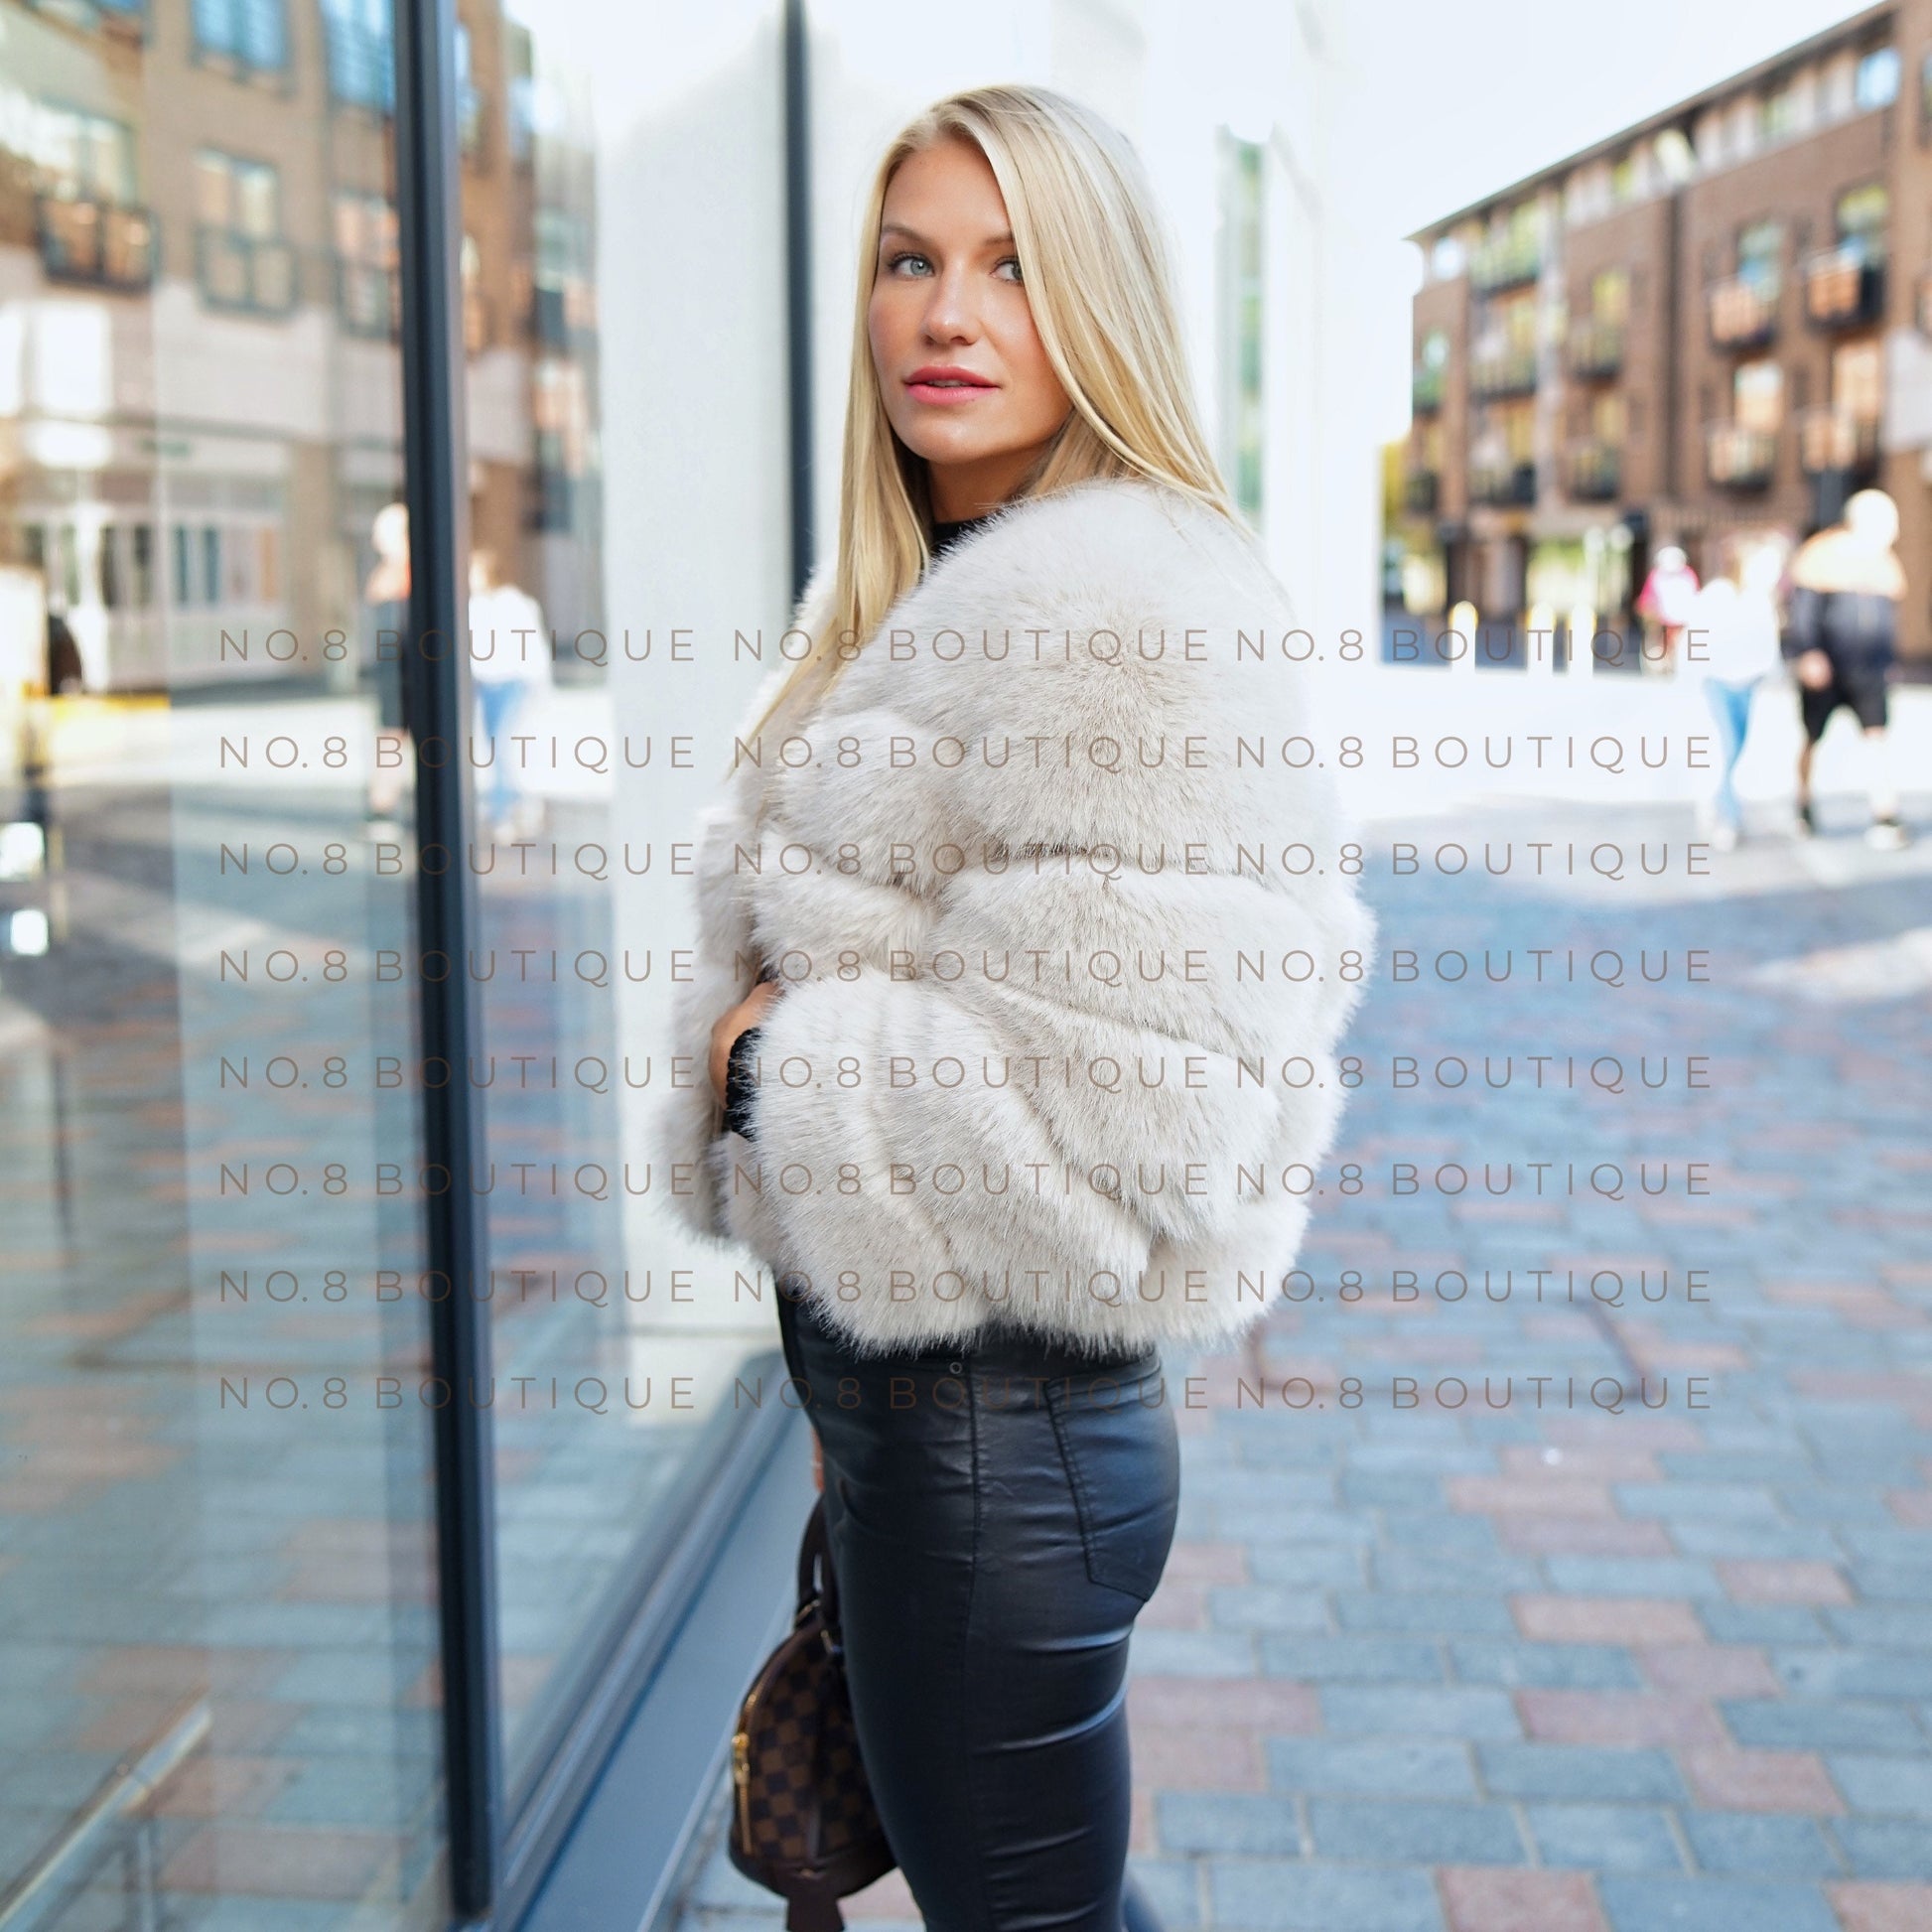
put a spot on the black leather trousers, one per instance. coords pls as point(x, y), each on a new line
point(998, 1512)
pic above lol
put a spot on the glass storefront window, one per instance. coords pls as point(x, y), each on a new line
point(218, 1643)
point(586, 788)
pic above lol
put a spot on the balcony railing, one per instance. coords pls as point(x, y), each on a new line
point(1743, 312)
point(105, 244)
point(1503, 373)
point(1845, 287)
point(1593, 471)
point(1739, 459)
point(1596, 349)
point(1835, 438)
point(1425, 391)
point(1506, 264)
point(1502, 483)
point(241, 271)
point(369, 297)
point(1421, 492)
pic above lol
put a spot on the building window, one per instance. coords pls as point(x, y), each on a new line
point(141, 564)
point(561, 294)
point(1877, 78)
point(1760, 248)
point(1431, 366)
point(1518, 422)
point(1509, 251)
point(1857, 380)
point(1860, 217)
point(81, 156)
point(1445, 258)
point(1676, 160)
point(469, 102)
point(1782, 112)
point(361, 53)
point(368, 294)
point(1757, 395)
point(241, 259)
point(253, 34)
point(92, 228)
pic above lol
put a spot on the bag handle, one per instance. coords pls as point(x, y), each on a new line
point(818, 1582)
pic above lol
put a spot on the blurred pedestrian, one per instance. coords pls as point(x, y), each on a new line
point(1732, 644)
point(1841, 633)
point(1666, 599)
point(65, 674)
point(385, 599)
point(510, 658)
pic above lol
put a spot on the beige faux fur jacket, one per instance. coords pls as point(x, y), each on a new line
point(1053, 883)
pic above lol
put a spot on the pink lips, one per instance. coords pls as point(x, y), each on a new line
point(945, 384)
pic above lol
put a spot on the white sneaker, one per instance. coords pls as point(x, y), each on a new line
point(1886, 834)
point(1725, 838)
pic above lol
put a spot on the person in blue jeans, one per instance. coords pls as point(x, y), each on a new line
point(1732, 642)
point(509, 657)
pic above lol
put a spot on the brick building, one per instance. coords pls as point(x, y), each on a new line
point(1711, 326)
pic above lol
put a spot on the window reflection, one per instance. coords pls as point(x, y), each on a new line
point(216, 1622)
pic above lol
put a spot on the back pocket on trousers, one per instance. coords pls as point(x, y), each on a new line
point(1124, 1463)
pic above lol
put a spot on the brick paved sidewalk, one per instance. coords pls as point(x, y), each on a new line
point(1517, 1669)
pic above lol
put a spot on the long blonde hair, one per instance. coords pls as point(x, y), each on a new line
point(1095, 265)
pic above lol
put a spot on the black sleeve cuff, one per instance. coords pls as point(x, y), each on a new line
point(741, 1092)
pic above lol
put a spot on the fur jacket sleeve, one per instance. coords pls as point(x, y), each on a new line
point(1053, 881)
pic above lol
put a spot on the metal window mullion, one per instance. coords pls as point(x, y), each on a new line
point(436, 460)
point(798, 290)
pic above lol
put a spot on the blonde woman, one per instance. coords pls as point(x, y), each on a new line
point(1044, 880)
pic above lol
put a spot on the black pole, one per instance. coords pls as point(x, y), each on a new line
point(798, 292)
point(437, 696)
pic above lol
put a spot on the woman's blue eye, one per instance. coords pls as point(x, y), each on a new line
point(893, 262)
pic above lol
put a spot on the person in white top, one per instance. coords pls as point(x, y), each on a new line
point(1730, 639)
point(509, 657)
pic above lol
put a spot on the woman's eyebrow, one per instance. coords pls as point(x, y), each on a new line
point(913, 234)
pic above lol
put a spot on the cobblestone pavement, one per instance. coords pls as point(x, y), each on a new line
point(1508, 1662)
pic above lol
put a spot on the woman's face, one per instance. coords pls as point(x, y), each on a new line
point(966, 382)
